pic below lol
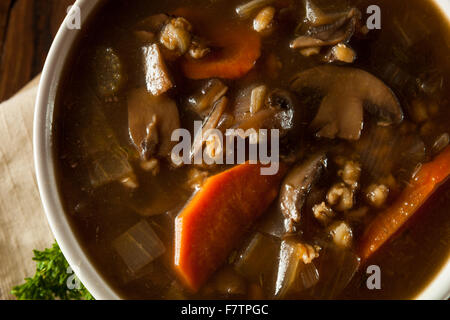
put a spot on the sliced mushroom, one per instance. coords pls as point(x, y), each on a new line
point(316, 17)
point(282, 111)
point(305, 42)
point(290, 114)
point(347, 91)
point(326, 29)
point(298, 184)
point(340, 30)
point(150, 116)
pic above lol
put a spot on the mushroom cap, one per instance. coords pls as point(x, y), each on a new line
point(143, 108)
point(347, 91)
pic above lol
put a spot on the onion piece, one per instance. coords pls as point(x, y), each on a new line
point(139, 246)
point(441, 143)
point(210, 93)
point(293, 274)
point(275, 223)
point(106, 160)
point(336, 267)
point(257, 261)
point(257, 98)
point(226, 283)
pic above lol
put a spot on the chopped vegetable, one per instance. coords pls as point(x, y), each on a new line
point(388, 222)
point(227, 283)
point(327, 30)
point(108, 73)
point(347, 91)
point(282, 111)
point(51, 278)
point(334, 280)
point(151, 121)
point(298, 183)
point(106, 160)
point(157, 77)
point(210, 93)
point(275, 224)
point(441, 143)
point(139, 246)
point(215, 219)
point(296, 272)
point(257, 99)
point(257, 261)
point(383, 150)
point(237, 49)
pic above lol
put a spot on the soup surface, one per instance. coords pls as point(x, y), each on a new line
point(354, 118)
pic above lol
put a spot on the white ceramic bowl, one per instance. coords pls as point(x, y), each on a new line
point(439, 288)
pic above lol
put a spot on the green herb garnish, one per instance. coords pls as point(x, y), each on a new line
point(54, 279)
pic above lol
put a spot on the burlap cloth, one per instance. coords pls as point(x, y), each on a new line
point(23, 225)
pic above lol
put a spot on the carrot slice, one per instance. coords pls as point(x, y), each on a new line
point(239, 48)
point(387, 223)
point(236, 49)
point(216, 218)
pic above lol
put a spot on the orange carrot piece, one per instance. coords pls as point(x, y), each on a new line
point(216, 218)
point(236, 48)
point(387, 223)
point(239, 48)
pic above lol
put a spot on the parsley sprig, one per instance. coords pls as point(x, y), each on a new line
point(50, 280)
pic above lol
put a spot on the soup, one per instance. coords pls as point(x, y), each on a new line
point(322, 157)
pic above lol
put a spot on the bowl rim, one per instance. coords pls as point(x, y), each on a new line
point(95, 283)
point(438, 288)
